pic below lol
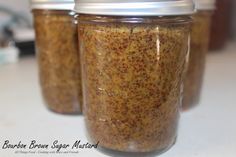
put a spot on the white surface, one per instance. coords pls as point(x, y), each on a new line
point(206, 131)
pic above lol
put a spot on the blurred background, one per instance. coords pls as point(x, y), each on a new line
point(16, 31)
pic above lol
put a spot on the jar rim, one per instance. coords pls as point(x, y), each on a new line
point(53, 4)
point(135, 7)
point(205, 4)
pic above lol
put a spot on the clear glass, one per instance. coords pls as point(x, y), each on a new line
point(58, 59)
point(200, 33)
point(132, 71)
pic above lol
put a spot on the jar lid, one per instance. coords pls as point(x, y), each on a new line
point(53, 4)
point(205, 4)
point(135, 7)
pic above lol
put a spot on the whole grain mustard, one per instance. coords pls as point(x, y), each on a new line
point(58, 59)
point(200, 34)
point(132, 76)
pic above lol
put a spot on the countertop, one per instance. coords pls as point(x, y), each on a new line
point(206, 131)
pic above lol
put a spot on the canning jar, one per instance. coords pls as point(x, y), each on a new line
point(58, 57)
point(220, 28)
point(233, 21)
point(133, 59)
point(200, 32)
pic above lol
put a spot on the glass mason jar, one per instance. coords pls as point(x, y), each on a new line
point(132, 70)
point(220, 28)
point(200, 33)
point(58, 57)
point(233, 21)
